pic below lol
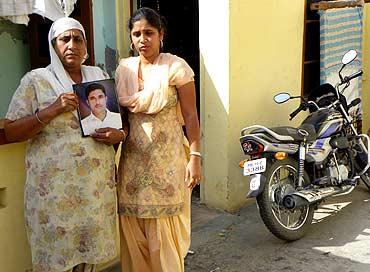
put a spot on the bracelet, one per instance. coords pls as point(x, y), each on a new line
point(195, 153)
point(124, 134)
point(38, 118)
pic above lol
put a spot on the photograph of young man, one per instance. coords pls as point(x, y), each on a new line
point(100, 116)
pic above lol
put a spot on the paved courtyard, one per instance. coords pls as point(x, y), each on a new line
point(339, 240)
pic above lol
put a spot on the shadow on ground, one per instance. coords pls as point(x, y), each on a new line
point(338, 241)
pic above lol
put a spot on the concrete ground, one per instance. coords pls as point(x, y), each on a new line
point(338, 241)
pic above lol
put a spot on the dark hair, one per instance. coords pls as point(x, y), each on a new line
point(93, 87)
point(153, 18)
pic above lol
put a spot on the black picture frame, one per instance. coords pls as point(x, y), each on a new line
point(88, 121)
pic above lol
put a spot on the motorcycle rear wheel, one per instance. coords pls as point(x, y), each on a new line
point(289, 225)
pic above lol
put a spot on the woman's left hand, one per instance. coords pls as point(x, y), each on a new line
point(193, 172)
point(108, 136)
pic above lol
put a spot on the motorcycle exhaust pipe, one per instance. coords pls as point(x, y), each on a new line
point(293, 201)
point(307, 197)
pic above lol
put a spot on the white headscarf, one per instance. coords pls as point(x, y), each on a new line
point(55, 72)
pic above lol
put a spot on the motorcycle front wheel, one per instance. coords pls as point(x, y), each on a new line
point(360, 163)
point(281, 179)
point(366, 179)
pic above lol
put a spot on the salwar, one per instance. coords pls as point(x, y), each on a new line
point(155, 244)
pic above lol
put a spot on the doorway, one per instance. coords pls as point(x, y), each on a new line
point(182, 37)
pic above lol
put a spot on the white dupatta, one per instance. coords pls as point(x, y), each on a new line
point(55, 73)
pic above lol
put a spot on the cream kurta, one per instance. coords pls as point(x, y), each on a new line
point(154, 201)
point(151, 174)
point(152, 168)
point(70, 201)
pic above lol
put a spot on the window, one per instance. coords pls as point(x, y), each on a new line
point(311, 47)
point(311, 50)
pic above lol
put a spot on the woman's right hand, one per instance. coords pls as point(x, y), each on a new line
point(65, 102)
point(28, 126)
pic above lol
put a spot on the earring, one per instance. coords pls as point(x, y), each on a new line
point(132, 47)
point(161, 42)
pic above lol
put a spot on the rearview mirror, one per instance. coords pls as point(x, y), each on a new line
point(281, 97)
point(349, 56)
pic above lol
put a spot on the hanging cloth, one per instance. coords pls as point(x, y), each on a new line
point(17, 11)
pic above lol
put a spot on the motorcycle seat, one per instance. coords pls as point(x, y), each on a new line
point(296, 133)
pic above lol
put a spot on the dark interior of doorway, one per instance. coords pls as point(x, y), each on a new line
point(182, 36)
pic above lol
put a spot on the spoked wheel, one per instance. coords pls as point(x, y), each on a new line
point(360, 163)
point(286, 224)
point(366, 179)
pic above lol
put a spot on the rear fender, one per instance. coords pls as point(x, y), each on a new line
point(258, 181)
point(256, 185)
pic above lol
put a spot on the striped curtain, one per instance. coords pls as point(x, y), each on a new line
point(340, 31)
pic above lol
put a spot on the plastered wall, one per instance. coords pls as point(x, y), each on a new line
point(250, 50)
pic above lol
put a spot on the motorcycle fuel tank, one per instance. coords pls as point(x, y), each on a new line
point(327, 122)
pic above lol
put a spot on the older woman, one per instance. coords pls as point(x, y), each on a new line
point(70, 201)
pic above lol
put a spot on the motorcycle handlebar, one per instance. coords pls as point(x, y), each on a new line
point(303, 106)
point(354, 102)
point(354, 75)
point(294, 113)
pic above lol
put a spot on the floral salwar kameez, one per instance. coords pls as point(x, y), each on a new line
point(70, 201)
point(154, 201)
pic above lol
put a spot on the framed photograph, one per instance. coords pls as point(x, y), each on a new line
point(98, 105)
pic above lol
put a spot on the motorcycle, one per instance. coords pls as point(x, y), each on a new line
point(293, 170)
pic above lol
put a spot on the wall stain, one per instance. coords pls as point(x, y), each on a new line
point(111, 61)
point(17, 32)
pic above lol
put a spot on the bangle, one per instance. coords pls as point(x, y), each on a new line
point(38, 118)
point(124, 134)
point(195, 153)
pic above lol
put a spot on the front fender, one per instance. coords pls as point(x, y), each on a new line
point(256, 185)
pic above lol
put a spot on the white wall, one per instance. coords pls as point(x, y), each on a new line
point(214, 87)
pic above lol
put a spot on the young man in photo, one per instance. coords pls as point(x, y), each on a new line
point(100, 116)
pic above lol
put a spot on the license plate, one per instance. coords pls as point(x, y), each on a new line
point(254, 167)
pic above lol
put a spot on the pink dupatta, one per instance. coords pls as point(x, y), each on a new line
point(167, 70)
